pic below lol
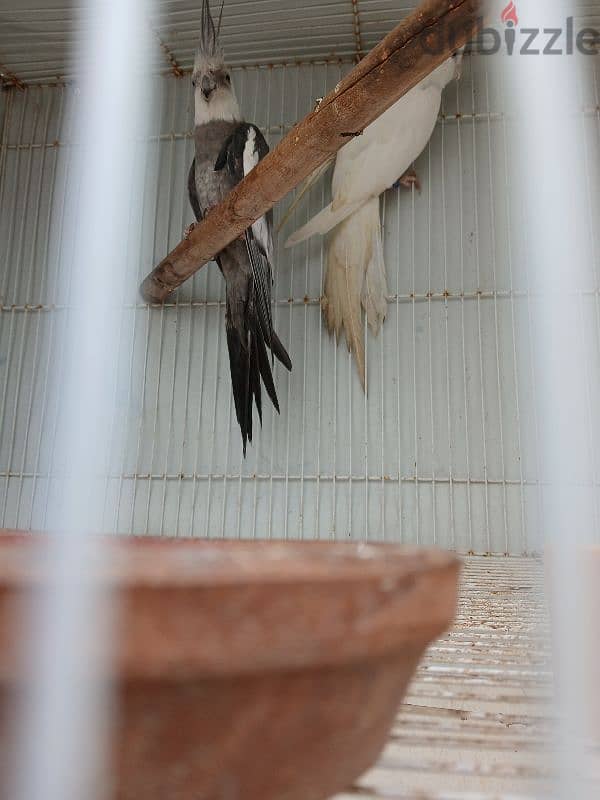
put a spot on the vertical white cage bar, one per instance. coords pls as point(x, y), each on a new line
point(63, 706)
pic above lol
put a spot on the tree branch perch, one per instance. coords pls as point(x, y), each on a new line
point(411, 51)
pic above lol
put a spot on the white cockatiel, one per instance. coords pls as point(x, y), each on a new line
point(364, 168)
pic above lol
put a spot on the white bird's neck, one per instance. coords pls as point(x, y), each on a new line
point(222, 106)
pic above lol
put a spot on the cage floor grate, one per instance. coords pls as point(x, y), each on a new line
point(477, 723)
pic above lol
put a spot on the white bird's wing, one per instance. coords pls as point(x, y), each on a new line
point(306, 186)
point(323, 222)
point(369, 164)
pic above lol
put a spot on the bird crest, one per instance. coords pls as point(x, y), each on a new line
point(209, 48)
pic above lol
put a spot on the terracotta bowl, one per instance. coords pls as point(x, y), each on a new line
point(251, 670)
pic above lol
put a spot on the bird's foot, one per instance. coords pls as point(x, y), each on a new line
point(408, 180)
point(189, 229)
point(192, 225)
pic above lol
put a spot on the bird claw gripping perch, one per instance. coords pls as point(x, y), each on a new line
point(188, 230)
point(408, 180)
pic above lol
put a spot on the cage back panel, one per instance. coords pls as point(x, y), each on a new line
point(442, 449)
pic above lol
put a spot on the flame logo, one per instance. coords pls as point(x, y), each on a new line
point(509, 15)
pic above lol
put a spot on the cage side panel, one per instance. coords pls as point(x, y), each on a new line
point(442, 450)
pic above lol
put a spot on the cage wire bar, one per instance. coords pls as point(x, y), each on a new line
point(561, 250)
point(444, 449)
point(60, 745)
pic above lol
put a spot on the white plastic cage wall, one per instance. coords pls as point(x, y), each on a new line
point(442, 449)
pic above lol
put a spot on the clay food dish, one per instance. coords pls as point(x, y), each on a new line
point(254, 670)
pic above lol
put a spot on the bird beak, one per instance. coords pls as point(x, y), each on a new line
point(208, 86)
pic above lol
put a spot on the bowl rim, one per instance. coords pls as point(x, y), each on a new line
point(147, 561)
point(182, 622)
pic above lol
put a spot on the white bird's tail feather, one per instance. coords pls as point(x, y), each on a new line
point(355, 276)
point(375, 288)
point(322, 222)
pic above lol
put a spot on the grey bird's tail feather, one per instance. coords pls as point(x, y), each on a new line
point(249, 362)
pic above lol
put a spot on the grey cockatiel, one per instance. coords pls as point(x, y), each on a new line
point(226, 150)
point(364, 169)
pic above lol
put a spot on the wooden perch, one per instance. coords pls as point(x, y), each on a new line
point(412, 50)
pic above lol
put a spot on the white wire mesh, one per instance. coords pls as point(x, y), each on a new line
point(36, 35)
point(442, 450)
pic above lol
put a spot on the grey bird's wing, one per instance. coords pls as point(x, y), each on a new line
point(247, 269)
point(193, 192)
point(240, 154)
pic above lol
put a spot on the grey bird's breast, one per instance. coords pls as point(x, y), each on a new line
point(212, 187)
